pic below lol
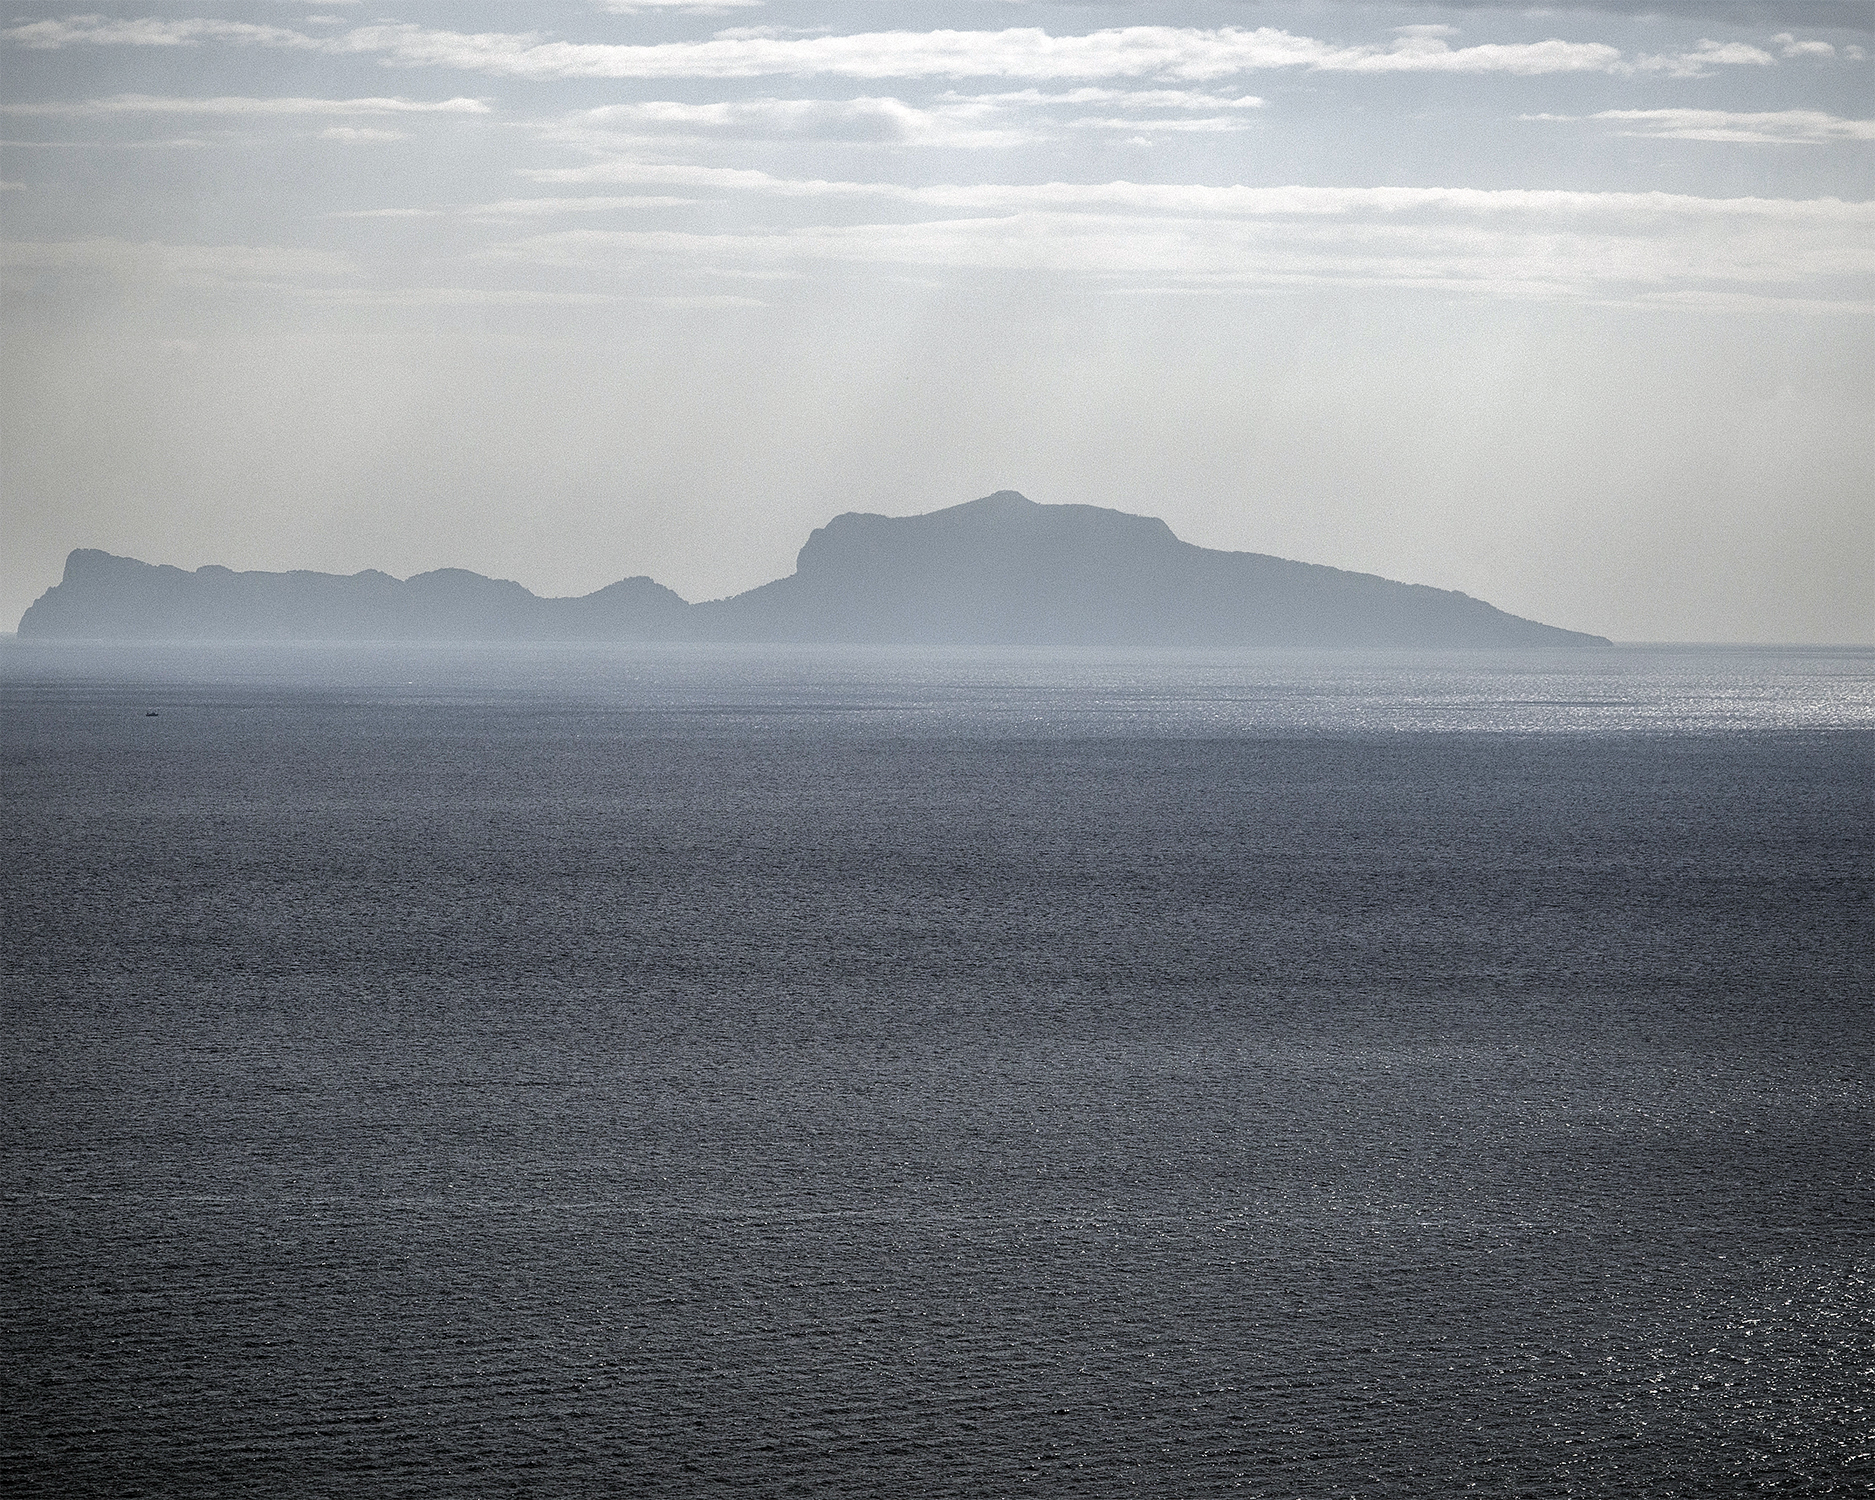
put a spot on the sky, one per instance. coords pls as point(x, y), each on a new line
point(1571, 308)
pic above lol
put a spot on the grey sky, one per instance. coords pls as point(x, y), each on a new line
point(1571, 308)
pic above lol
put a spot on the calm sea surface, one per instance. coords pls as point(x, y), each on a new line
point(523, 1072)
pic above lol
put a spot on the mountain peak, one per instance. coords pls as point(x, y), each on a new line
point(1003, 570)
point(1001, 500)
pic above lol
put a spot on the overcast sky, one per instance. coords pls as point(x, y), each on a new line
point(1570, 308)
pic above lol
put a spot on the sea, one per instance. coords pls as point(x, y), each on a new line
point(603, 1071)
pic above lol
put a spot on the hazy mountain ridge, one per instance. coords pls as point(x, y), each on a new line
point(997, 571)
point(118, 598)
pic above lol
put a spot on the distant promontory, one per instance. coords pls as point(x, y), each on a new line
point(997, 571)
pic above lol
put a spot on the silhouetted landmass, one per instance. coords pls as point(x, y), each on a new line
point(998, 571)
point(118, 598)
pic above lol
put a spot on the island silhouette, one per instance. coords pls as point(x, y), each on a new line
point(1002, 570)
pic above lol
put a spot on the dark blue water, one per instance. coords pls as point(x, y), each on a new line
point(431, 1073)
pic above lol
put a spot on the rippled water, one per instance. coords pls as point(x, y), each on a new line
point(560, 1073)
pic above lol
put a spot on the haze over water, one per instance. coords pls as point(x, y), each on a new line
point(690, 1071)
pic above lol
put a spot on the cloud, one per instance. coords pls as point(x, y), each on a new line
point(138, 104)
point(952, 120)
point(1732, 54)
point(1700, 62)
point(514, 208)
point(1202, 199)
point(1154, 111)
point(1789, 127)
point(1521, 243)
point(210, 267)
point(730, 179)
point(524, 208)
point(1789, 46)
point(1856, 15)
point(1492, 242)
point(461, 296)
point(359, 135)
point(1127, 98)
point(1610, 250)
point(305, 275)
point(149, 32)
point(1164, 52)
point(1198, 125)
point(389, 213)
point(863, 120)
point(141, 143)
point(1018, 52)
point(697, 7)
